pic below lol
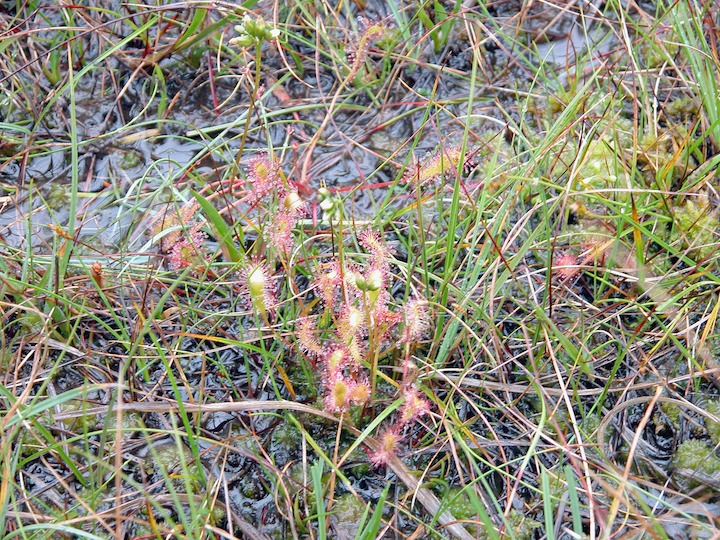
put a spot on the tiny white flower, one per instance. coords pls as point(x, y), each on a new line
point(326, 204)
point(374, 280)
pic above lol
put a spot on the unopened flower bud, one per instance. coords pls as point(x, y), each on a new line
point(374, 280)
point(359, 282)
point(333, 215)
point(242, 41)
point(258, 28)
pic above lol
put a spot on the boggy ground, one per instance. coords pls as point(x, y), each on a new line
point(359, 270)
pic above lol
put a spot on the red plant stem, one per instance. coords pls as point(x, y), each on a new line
point(211, 78)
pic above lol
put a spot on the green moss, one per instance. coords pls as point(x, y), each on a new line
point(347, 512)
point(697, 225)
point(287, 436)
point(523, 527)
point(698, 455)
point(130, 160)
point(31, 322)
point(713, 428)
point(672, 412)
point(11, 145)
point(83, 422)
point(590, 423)
point(683, 106)
point(295, 480)
point(655, 149)
point(658, 52)
point(713, 344)
point(57, 197)
point(517, 526)
point(602, 166)
point(460, 505)
point(389, 40)
point(130, 421)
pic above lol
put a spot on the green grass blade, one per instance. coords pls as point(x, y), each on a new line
point(225, 234)
point(574, 500)
point(373, 526)
point(317, 473)
point(548, 506)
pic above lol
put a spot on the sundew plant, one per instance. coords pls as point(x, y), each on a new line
point(359, 270)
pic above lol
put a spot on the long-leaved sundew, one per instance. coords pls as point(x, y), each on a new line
point(356, 55)
point(441, 164)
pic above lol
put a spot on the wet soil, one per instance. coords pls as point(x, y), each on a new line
point(144, 148)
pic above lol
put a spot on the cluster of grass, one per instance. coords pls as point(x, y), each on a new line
point(359, 269)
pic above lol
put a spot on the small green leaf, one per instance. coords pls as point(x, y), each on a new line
point(224, 233)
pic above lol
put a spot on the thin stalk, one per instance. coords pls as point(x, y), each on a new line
point(251, 105)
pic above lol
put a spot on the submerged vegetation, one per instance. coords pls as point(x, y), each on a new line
point(360, 269)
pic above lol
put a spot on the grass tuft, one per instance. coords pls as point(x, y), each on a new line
point(365, 270)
